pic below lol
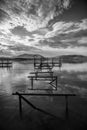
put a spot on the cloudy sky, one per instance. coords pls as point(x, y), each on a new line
point(47, 27)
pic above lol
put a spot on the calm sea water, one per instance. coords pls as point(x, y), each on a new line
point(72, 78)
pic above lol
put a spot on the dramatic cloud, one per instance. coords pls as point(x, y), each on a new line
point(35, 26)
point(83, 40)
point(67, 28)
point(32, 14)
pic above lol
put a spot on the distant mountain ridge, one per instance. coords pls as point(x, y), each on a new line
point(73, 58)
point(64, 58)
point(28, 56)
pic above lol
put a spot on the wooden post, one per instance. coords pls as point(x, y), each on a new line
point(47, 62)
point(41, 60)
point(66, 111)
point(60, 64)
point(2, 62)
point(51, 74)
point(36, 74)
point(8, 64)
point(56, 82)
point(20, 106)
point(34, 62)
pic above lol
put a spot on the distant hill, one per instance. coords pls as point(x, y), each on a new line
point(73, 58)
point(28, 56)
point(64, 58)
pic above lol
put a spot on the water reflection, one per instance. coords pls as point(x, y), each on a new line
point(16, 78)
point(74, 67)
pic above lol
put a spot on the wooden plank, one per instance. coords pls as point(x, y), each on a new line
point(41, 77)
point(41, 72)
point(20, 106)
point(45, 89)
point(44, 94)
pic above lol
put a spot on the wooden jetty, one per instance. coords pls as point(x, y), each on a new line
point(47, 75)
point(5, 62)
point(47, 63)
point(21, 97)
point(43, 72)
point(52, 81)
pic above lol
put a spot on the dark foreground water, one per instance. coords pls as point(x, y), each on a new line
point(71, 79)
